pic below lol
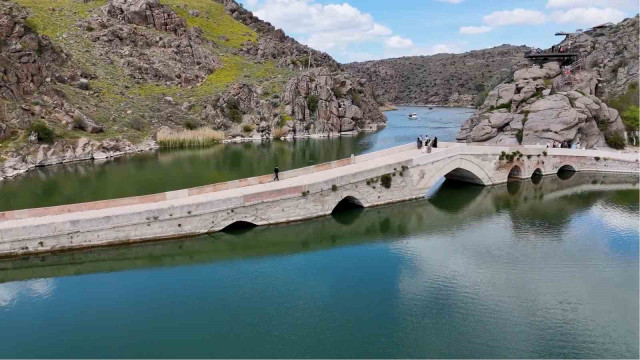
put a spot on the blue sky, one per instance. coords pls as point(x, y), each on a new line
point(356, 30)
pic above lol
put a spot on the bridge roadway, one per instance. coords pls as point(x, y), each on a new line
point(301, 194)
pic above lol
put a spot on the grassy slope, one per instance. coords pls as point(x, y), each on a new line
point(120, 101)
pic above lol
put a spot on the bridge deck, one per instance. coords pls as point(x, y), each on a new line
point(298, 177)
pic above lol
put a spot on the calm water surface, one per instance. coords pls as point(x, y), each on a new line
point(161, 171)
point(523, 270)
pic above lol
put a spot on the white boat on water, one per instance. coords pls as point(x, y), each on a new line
point(413, 116)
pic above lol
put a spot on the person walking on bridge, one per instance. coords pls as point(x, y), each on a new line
point(276, 172)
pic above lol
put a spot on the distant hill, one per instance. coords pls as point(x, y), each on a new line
point(443, 79)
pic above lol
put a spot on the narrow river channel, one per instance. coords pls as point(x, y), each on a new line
point(532, 269)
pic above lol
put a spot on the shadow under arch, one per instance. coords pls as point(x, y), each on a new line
point(460, 169)
point(347, 203)
point(453, 196)
point(239, 227)
point(537, 176)
point(348, 210)
point(515, 173)
point(463, 175)
point(566, 172)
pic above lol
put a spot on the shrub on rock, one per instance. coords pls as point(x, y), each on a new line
point(45, 133)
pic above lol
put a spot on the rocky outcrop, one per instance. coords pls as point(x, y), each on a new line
point(181, 57)
point(543, 104)
point(610, 54)
point(528, 112)
point(26, 58)
point(315, 103)
point(443, 79)
point(147, 13)
point(319, 102)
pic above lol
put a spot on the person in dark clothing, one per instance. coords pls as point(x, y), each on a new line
point(435, 142)
point(276, 171)
point(419, 142)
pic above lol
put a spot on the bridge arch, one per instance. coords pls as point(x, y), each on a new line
point(462, 169)
point(536, 176)
point(568, 167)
point(566, 171)
point(349, 202)
point(515, 172)
point(537, 172)
point(239, 226)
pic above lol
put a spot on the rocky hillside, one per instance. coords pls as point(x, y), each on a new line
point(543, 104)
point(86, 79)
point(443, 79)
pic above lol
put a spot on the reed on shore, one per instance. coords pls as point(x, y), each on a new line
point(190, 138)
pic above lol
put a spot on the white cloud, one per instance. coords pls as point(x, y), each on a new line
point(398, 42)
point(325, 27)
point(474, 30)
point(617, 4)
point(443, 49)
point(588, 16)
point(515, 17)
point(449, 48)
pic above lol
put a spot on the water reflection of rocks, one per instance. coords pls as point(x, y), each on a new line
point(544, 206)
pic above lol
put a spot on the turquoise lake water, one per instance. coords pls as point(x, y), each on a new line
point(523, 270)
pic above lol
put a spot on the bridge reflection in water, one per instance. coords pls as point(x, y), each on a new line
point(545, 202)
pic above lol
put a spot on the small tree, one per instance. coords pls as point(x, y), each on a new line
point(312, 103)
point(615, 140)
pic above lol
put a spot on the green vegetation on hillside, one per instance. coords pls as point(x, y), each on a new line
point(214, 22)
point(234, 69)
point(627, 105)
point(55, 17)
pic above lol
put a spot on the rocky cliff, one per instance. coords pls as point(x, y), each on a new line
point(97, 78)
point(443, 79)
point(544, 103)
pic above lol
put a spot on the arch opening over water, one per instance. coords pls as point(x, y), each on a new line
point(515, 173)
point(568, 168)
point(239, 227)
point(537, 176)
point(346, 204)
point(566, 172)
point(460, 174)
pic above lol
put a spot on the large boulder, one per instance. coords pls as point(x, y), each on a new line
point(552, 119)
point(85, 123)
point(500, 95)
point(547, 71)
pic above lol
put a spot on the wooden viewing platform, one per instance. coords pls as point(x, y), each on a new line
point(551, 55)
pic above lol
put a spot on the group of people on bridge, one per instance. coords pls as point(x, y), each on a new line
point(426, 144)
point(564, 145)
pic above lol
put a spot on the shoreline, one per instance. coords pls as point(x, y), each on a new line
point(23, 166)
point(438, 106)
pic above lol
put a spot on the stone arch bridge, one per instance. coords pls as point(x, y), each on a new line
point(388, 176)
